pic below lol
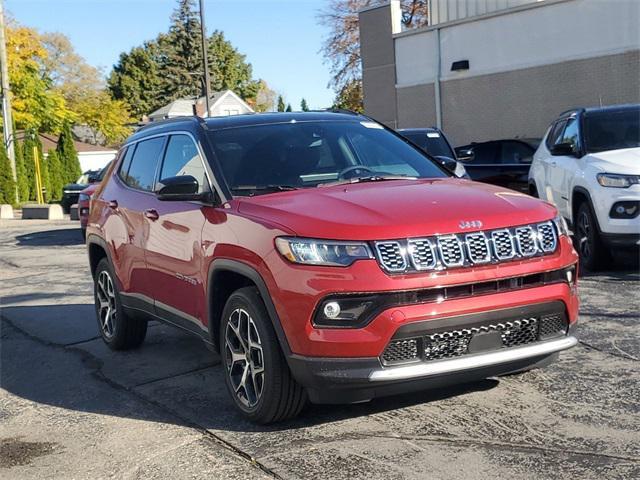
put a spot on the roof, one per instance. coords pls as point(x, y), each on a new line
point(50, 142)
point(607, 108)
point(183, 107)
point(418, 130)
point(244, 120)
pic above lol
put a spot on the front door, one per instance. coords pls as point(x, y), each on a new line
point(173, 249)
point(562, 168)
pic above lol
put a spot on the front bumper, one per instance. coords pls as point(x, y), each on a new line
point(349, 380)
point(621, 240)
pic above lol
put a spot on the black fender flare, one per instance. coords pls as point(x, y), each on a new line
point(223, 264)
point(585, 192)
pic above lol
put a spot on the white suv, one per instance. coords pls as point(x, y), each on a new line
point(588, 166)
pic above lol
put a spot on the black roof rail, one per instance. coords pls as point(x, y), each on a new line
point(165, 121)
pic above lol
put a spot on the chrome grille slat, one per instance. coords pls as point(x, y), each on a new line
point(422, 253)
point(467, 249)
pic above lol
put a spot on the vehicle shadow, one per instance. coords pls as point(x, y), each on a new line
point(173, 372)
point(52, 238)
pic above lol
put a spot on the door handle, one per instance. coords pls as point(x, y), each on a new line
point(151, 214)
point(113, 204)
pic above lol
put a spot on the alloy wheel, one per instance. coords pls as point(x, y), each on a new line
point(244, 358)
point(584, 235)
point(106, 303)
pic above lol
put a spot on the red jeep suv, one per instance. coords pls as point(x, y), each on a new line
point(325, 258)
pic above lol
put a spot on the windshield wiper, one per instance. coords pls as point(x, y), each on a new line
point(368, 178)
point(263, 188)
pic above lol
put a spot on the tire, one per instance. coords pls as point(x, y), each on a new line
point(118, 330)
point(593, 253)
point(259, 382)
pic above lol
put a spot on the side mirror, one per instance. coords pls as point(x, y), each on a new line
point(563, 149)
point(447, 162)
point(465, 154)
point(181, 188)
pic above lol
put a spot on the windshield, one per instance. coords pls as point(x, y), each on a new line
point(256, 159)
point(431, 142)
point(612, 130)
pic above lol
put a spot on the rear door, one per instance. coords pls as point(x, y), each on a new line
point(174, 244)
point(549, 162)
point(135, 195)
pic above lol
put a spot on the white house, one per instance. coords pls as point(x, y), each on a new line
point(222, 104)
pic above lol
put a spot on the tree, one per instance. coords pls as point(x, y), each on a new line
point(30, 165)
point(68, 156)
point(55, 174)
point(105, 115)
point(34, 103)
point(136, 79)
point(265, 98)
point(341, 47)
point(170, 67)
point(281, 106)
point(303, 105)
point(288, 107)
point(7, 184)
point(21, 173)
point(350, 97)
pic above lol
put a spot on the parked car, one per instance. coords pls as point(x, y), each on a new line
point(435, 143)
point(588, 166)
point(326, 258)
point(71, 191)
point(500, 162)
point(84, 199)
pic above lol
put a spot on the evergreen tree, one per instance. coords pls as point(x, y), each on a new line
point(303, 105)
point(44, 170)
point(55, 175)
point(29, 166)
point(21, 173)
point(183, 56)
point(7, 184)
point(288, 108)
point(280, 103)
point(68, 156)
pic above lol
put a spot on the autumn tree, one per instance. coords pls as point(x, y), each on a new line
point(341, 47)
point(349, 97)
point(265, 98)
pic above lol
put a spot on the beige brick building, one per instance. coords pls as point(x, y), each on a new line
point(490, 69)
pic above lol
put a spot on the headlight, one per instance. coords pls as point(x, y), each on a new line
point(617, 180)
point(561, 225)
point(322, 252)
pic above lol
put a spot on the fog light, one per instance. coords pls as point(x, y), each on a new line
point(332, 310)
point(569, 275)
point(625, 209)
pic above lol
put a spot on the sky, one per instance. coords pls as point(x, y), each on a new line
point(280, 38)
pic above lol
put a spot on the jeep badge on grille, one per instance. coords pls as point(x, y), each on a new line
point(470, 224)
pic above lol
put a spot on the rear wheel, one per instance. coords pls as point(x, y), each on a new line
point(593, 253)
point(119, 330)
point(256, 373)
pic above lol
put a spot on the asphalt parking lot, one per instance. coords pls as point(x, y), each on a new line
point(70, 408)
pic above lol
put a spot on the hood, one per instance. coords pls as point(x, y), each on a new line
point(396, 209)
point(626, 160)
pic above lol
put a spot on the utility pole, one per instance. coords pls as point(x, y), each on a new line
point(7, 121)
point(205, 61)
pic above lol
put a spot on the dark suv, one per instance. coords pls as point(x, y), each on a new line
point(326, 258)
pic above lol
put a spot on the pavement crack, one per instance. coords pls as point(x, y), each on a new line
point(181, 374)
point(89, 359)
point(623, 355)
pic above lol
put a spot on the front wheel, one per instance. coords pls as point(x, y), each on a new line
point(256, 373)
point(119, 330)
point(593, 253)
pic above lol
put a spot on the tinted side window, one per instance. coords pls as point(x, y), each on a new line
point(182, 158)
point(555, 132)
point(516, 153)
point(570, 134)
point(486, 153)
point(417, 138)
point(126, 163)
point(145, 159)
